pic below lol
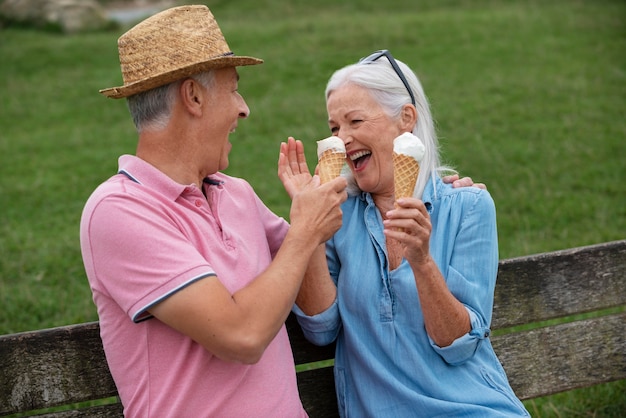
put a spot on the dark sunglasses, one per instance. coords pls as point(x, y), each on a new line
point(394, 65)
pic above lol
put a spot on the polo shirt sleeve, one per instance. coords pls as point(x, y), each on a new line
point(137, 254)
point(275, 227)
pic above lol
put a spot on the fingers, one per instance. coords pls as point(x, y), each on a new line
point(338, 184)
point(292, 167)
point(468, 182)
point(292, 155)
point(462, 182)
point(410, 217)
point(283, 164)
point(409, 212)
point(450, 179)
point(288, 157)
point(410, 225)
point(316, 210)
point(303, 166)
point(294, 151)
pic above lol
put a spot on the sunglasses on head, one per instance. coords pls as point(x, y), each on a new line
point(385, 53)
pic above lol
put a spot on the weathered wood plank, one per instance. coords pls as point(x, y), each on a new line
point(556, 284)
point(57, 366)
point(562, 357)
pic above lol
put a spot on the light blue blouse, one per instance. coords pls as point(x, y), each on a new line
point(386, 365)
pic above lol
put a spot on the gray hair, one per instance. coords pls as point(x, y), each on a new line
point(379, 78)
point(151, 110)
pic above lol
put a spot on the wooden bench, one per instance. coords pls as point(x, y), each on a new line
point(66, 365)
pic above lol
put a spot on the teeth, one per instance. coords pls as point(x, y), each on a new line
point(359, 154)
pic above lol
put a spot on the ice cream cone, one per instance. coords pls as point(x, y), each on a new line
point(330, 164)
point(408, 152)
point(406, 169)
point(331, 156)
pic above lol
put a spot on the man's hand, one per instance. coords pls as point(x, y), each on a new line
point(316, 209)
point(464, 182)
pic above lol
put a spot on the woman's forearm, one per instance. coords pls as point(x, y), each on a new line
point(317, 291)
point(445, 317)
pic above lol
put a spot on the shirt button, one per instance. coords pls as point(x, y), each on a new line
point(198, 203)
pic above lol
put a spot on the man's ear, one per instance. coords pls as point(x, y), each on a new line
point(192, 96)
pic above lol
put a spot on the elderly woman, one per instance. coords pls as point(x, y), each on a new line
point(406, 287)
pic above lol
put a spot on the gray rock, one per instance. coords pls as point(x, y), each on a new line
point(70, 16)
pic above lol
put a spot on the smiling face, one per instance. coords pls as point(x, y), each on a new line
point(368, 133)
point(224, 109)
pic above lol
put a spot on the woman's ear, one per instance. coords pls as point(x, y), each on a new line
point(408, 117)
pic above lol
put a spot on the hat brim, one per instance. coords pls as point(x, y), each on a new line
point(162, 79)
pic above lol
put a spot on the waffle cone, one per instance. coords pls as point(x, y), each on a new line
point(330, 165)
point(406, 169)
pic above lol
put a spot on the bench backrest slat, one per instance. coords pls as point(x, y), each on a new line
point(572, 355)
point(57, 366)
point(561, 283)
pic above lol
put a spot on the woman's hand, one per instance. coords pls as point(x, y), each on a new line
point(293, 170)
point(409, 223)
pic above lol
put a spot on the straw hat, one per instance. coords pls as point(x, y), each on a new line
point(169, 46)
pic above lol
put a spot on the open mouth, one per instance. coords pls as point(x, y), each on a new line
point(360, 158)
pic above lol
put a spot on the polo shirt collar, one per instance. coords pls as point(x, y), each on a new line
point(144, 173)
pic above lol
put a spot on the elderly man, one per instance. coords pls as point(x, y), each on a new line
point(192, 275)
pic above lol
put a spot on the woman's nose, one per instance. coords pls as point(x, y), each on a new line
point(344, 136)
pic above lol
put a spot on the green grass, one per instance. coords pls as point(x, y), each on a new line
point(529, 97)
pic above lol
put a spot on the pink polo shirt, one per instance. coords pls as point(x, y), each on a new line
point(143, 238)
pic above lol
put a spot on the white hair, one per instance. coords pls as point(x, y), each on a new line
point(151, 110)
point(385, 86)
